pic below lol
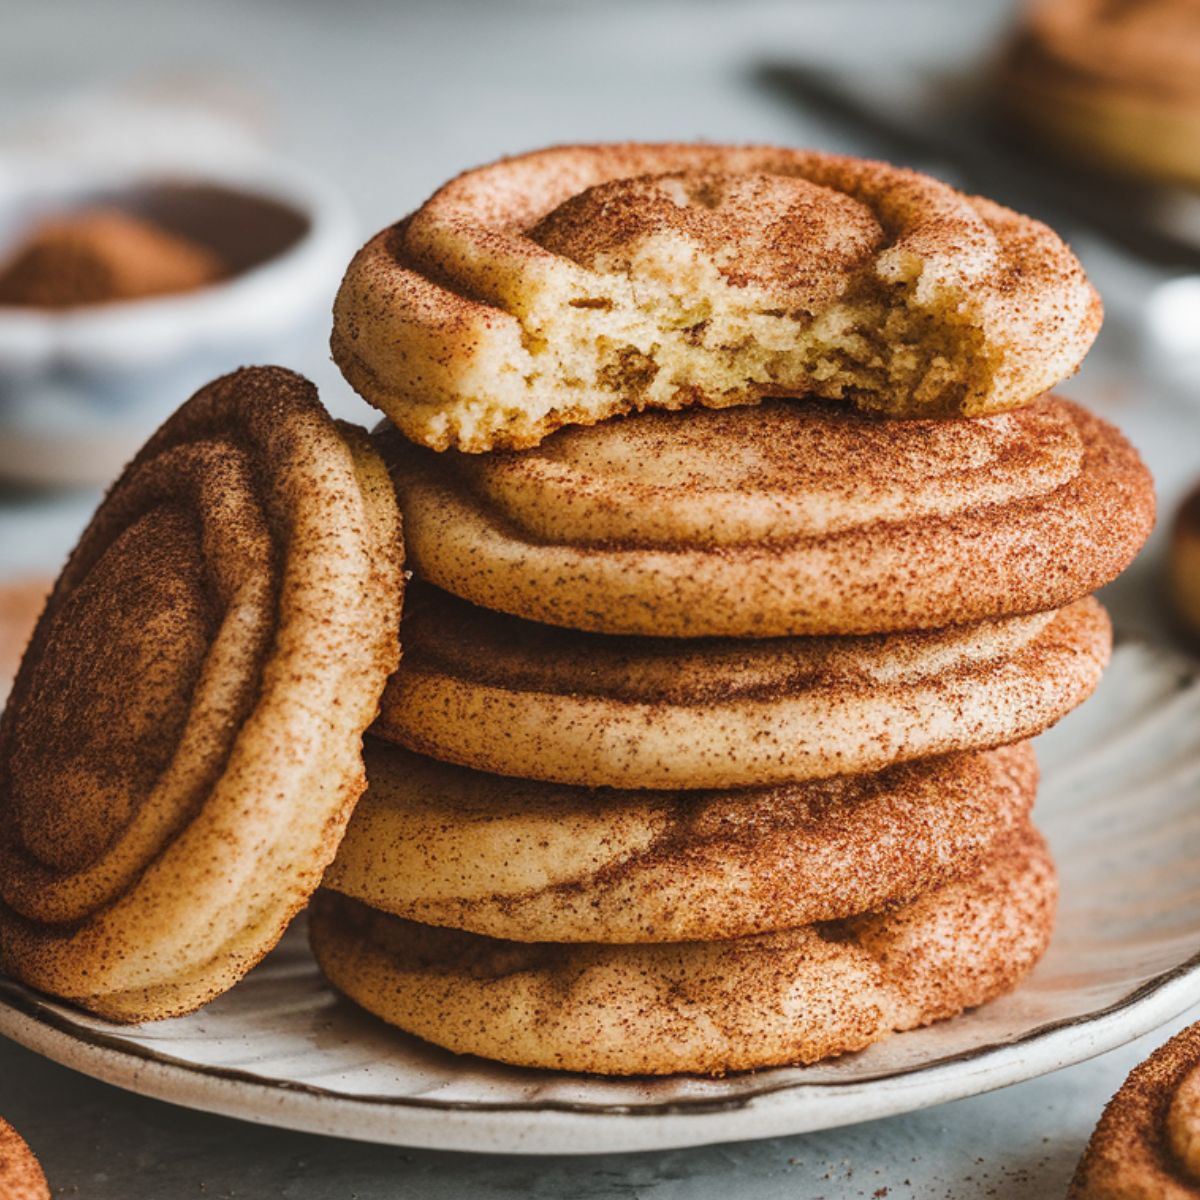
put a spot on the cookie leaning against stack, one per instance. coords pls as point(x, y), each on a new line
point(721, 688)
point(182, 745)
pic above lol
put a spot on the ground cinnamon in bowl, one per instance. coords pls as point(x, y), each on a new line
point(100, 256)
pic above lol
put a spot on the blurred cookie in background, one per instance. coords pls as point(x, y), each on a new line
point(1184, 566)
point(21, 1176)
point(1110, 85)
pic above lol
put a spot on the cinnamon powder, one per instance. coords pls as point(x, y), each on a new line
point(99, 256)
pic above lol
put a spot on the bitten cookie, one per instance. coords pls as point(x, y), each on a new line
point(575, 283)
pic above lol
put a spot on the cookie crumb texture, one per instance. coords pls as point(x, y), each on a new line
point(572, 284)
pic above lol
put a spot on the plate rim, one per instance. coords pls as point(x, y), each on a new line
point(578, 1128)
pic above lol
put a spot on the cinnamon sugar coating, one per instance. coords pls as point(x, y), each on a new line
point(515, 698)
point(575, 283)
point(21, 1176)
point(1145, 1146)
point(182, 745)
point(546, 863)
point(1115, 86)
point(794, 996)
point(787, 518)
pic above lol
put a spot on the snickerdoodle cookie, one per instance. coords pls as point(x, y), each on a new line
point(1147, 1144)
point(793, 996)
point(182, 746)
point(515, 698)
point(786, 518)
point(1110, 85)
point(21, 1175)
point(545, 862)
point(575, 283)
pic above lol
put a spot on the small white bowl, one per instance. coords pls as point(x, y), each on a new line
point(81, 389)
point(1172, 328)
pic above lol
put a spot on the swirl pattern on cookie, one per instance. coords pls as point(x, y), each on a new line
point(538, 862)
point(182, 745)
point(1147, 1143)
point(21, 1175)
point(514, 698)
point(793, 996)
point(1114, 85)
point(571, 284)
point(787, 518)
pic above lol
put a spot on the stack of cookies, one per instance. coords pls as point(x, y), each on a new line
point(708, 747)
point(744, 553)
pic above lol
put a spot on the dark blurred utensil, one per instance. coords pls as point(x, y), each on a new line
point(948, 123)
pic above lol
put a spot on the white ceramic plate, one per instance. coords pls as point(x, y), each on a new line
point(1120, 804)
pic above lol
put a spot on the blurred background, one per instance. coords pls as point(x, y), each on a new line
point(213, 166)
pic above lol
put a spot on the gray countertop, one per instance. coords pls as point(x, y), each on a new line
point(390, 99)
